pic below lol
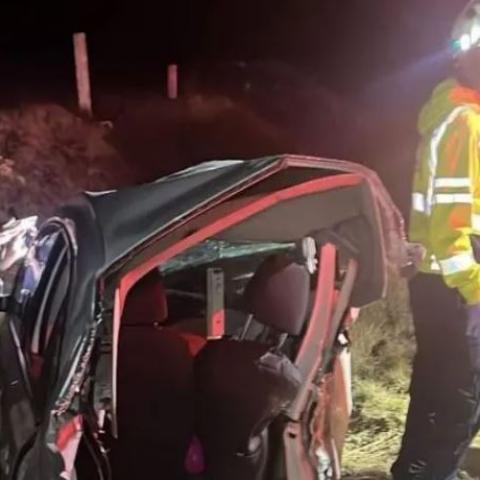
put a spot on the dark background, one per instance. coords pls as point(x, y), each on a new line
point(355, 71)
point(346, 44)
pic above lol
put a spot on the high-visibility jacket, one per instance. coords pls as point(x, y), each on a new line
point(445, 213)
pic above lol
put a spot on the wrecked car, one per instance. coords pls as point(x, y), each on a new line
point(195, 327)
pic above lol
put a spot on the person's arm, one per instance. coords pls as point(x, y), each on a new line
point(452, 213)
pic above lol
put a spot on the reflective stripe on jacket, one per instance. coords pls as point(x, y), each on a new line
point(445, 210)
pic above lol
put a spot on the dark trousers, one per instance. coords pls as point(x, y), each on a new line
point(443, 415)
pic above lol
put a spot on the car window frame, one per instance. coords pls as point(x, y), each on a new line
point(22, 328)
point(44, 311)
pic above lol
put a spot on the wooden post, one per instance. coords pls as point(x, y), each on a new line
point(172, 82)
point(82, 73)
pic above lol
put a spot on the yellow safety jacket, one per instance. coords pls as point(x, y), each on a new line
point(445, 214)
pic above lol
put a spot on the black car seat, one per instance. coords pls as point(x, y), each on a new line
point(242, 386)
point(155, 389)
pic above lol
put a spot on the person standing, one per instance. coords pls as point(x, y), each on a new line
point(444, 411)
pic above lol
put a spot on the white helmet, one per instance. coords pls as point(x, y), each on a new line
point(466, 31)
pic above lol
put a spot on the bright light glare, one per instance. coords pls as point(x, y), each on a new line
point(465, 42)
point(475, 34)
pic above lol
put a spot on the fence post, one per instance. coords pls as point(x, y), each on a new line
point(172, 82)
point(82, 73)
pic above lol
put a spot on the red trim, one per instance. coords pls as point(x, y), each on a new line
point(264, 203)
point(324, 300)
point(195, 342)
point(325, 295)
point(68, 431)
point(218, 324)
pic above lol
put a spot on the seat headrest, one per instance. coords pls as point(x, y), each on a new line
point(146, 302)
point(278, 294)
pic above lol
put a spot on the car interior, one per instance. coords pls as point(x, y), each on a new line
point(208, 340)
point(194, 407)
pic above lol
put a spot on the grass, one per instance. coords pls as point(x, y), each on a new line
point(383, 346)
point(376, 428)
point(382, 351)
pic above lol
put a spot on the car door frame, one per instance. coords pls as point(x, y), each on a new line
point(20, 466)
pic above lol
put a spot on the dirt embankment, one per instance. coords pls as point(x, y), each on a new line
point(158, 136)
point(47, 154)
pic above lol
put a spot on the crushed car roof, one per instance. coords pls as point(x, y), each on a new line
point(128, 217)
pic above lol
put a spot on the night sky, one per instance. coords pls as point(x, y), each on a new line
point(346, 44)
